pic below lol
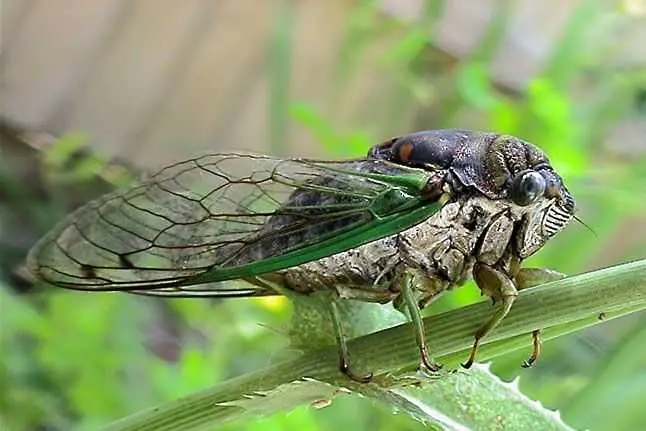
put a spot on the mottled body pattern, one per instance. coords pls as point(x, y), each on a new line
point(444, 247)
point(420, 214)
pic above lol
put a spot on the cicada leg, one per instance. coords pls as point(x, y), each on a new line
point(408, 282)
point(501, 289)
point(529, 277)
point(344, 366)
point(536, 349)
point(496, 284)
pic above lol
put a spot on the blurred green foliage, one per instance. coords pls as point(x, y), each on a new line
point(75, 361)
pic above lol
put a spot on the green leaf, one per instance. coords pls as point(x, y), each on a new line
point(475, 399)
point(285, 396)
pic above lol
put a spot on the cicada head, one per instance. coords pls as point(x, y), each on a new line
point(523, 176)
point(503, 168)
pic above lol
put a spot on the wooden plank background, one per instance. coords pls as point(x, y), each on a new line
point(157, 80)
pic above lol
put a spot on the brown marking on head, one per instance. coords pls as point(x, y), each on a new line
point(405, 151)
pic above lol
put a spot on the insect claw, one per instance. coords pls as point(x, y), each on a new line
point(472, 356)
point(536, 350)
point(345, 369)
point(343, 348)
point(426, 362)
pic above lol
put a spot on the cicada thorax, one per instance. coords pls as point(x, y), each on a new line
point(497, 166)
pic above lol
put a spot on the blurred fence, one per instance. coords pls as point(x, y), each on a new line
point(155, 80)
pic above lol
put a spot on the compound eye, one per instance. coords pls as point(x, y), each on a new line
point(527, 187)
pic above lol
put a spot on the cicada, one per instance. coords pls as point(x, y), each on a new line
point(420, 214)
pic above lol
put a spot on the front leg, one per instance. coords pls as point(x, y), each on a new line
point(497, 285)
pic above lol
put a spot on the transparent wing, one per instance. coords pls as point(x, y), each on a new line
point(222, 217)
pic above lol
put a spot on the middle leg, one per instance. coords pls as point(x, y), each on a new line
point(409, 281)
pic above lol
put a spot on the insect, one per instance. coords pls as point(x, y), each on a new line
point(419, 215)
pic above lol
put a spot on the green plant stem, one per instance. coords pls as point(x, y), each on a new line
point(562, 306)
